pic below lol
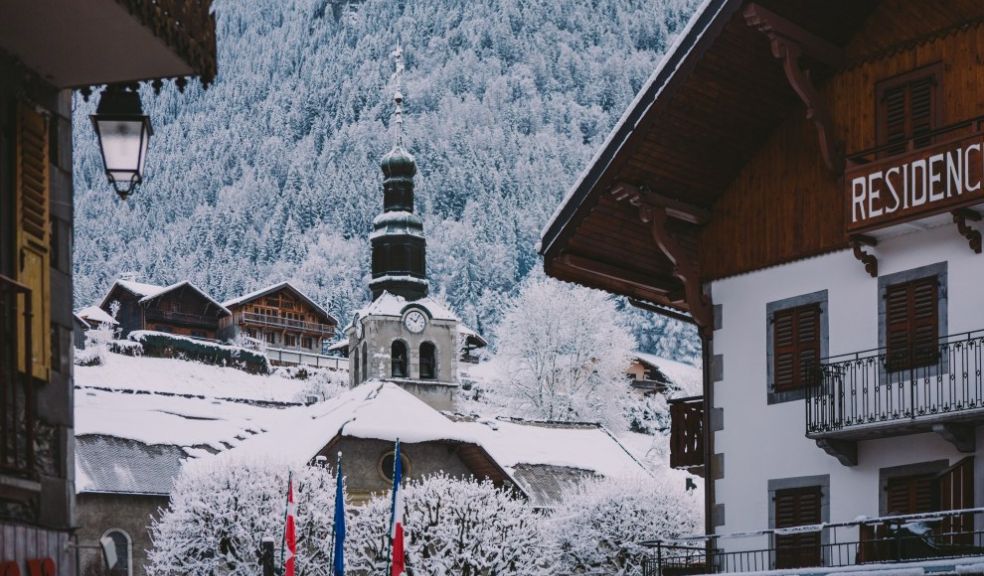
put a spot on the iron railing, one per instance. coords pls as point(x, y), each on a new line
point(898, 539)
point(17, 424)
point(687, 432)
point(917, 141)
point(324, 330)
point(872, 389)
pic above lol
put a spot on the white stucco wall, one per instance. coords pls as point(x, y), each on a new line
point(762, 442)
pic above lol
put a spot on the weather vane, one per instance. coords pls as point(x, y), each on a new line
point(398, 95)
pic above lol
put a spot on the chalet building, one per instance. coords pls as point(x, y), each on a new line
point(293, 327)
point(180, 308)
point(404, 335)
point(48, 49)
point(803, 181)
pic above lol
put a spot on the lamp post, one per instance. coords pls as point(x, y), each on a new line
point(124, 132)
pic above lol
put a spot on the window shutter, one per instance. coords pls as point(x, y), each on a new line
point(908, 108)
point(956, 492)
point(921, 110)
point(911, 494)
point(795, 346)
point(912, 324)
point(893, 119)
point(798, 507)
point(33, 237)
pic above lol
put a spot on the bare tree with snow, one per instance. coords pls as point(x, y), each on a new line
point(563, 355)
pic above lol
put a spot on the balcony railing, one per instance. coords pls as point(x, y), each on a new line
point(890, 540)
point(687, 432)
point(324, 330)
point(871, 393)
point(16, 389)
point(183, 318)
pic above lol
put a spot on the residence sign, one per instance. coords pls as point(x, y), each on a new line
point(915, 184)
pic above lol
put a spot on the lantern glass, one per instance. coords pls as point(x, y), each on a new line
point(124, 134)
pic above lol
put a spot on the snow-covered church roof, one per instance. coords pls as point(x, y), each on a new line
point(392, 305)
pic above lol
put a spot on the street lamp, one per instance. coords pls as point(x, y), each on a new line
point(124, 132)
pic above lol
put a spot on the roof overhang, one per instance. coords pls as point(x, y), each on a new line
point(73, 44)
point(631, 223)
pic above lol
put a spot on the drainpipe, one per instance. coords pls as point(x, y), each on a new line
point(707, 354)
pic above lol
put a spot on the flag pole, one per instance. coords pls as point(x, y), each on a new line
point(338, 478)
point(389, 534)
point(283, 537)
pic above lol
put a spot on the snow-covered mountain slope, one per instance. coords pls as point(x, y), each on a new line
point(272, 173)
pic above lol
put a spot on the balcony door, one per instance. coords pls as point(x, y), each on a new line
point(798, 507)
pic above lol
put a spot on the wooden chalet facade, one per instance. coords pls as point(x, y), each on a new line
point(281, 317)
point(804, 182)
point(181, 308)
point(48, 49)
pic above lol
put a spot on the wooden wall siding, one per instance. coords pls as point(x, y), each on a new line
point(21, 543)
point(784, 204)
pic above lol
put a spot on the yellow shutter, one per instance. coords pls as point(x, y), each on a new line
point(33, 237)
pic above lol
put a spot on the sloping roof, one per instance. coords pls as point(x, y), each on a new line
point(273, 288)
point(684, 376)
point(178, 286)
point(472, 337)
point(139, 288)
point(546, 485)
point(392, 305)
point(97, 315)
point(148, 292)
point(106, 464)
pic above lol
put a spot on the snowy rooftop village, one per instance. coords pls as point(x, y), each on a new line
point(491, 288)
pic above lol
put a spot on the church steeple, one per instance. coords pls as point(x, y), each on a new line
point(398, 246)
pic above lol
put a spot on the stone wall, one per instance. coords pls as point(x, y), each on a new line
point(98, 513)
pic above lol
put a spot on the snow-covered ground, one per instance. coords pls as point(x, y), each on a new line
point(182, 377)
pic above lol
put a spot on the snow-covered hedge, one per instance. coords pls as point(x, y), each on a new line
point(600, 526)
point(164, 345)
point(219, 515)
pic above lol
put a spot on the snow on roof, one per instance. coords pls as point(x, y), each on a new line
point(182, 284)
point(392, 305)
point(274, 288)
point(146, 374)
point(468, 333)
point(685, 376)
point(590, 447)
point(97, 315)
point(139, 288)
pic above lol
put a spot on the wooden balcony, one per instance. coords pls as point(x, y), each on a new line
point(687, 432)
point(929, 175)
point(270, 321)
point(868, 395)
point(181, 318)
point(17, 414)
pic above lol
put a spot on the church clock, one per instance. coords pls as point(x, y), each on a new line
point(415, 321)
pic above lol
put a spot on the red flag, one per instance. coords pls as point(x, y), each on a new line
point(289, 531)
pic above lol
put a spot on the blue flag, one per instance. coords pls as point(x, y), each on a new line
point(338, 568)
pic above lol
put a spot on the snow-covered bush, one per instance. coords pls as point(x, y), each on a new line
point(647, 413)
point(564, 355)
point(599, 527)
point(97, 346)
point(454, 527)
point(219, 514)
point(323, 384)
point(164, 345)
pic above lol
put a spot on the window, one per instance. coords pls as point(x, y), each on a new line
point(365, 361)
point(355, 366)
point(797, 507)
point(386, 465)
point(428, 361)
point(271, 337)
point(913, 494)
point(908, 109)
point(306, 342)
point(796, 339)
point(912, 328)
point(398, 359)
point(290, 340)
point(122, 546)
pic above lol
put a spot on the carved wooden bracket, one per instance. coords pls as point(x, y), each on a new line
point(656, 209)
point(869, 260)
point(790, 43)
point(960, 218)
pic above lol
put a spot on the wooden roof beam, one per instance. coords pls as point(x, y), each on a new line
point(611, 272)
point(678, 209)
point(789, 43)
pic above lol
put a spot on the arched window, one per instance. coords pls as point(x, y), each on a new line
point(398, 358)
point(355, 366)
point(428, 361)
point(386, 465)
point(365, 361)
point(123, 548)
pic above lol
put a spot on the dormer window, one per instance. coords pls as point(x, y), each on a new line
point(908, 109)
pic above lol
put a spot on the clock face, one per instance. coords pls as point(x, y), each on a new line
point(415, 321)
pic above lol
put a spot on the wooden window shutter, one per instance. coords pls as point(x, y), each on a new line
point(956, 492)
point(912, 324)
point(908, 108)
point(911, 494)
point(798, 507)
point(795, 345)
point(33, 235)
